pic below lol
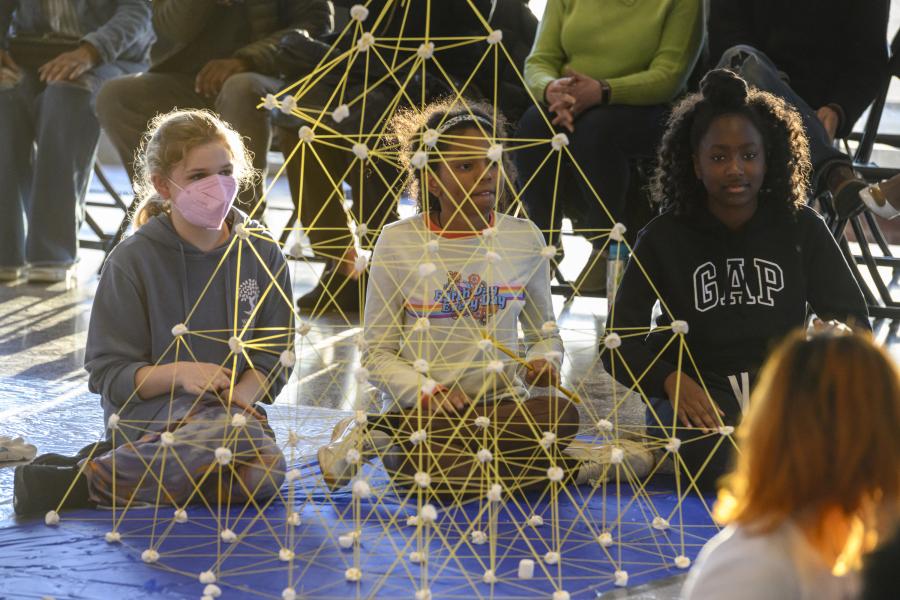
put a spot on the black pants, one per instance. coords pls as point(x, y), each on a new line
point(605, 139)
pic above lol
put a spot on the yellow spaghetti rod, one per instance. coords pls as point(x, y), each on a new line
point(566, 392)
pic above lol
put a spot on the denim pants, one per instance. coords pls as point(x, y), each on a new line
point(759, 71)
point(126, 105)
point(48, 139)
point(605, 139)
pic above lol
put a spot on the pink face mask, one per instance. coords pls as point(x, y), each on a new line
point(205, 203)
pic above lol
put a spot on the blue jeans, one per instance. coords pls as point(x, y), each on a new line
point(48, 139)
point(759, 71)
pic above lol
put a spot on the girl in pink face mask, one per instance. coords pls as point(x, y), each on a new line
point(190, 336)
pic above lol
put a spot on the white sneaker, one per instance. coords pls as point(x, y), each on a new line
point(53, 273)
point(350, 446)
point(12, 273)
point(597, 459)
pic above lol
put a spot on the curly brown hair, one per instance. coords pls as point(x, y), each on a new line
point(675, 185)
point(409, 126)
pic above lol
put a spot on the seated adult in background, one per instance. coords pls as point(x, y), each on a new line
point(818, 478)
point(605, 74)
point(217, 54)
point(826, 57)
point(52, 62)
point(375, 182)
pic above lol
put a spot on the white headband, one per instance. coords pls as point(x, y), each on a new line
point(464, 118)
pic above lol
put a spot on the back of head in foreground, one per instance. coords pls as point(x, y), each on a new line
point(821, 439)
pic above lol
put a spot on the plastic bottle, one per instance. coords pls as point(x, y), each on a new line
point(618, 258)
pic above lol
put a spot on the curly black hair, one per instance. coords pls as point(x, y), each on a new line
point(675, 184)
point(409, 126)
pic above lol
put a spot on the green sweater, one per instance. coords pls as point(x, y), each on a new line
point(644, 49)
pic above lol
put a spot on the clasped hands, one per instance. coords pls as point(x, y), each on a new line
point(570, 95)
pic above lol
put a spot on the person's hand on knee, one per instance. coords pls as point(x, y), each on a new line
point(541, 373)
point(448, 402)
point(695, 408)
point(212, 76)
point(69, 66)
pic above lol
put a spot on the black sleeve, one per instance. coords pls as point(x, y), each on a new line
point(832, 291)
point(730, 23)
point(864, 46)
point(630, 318)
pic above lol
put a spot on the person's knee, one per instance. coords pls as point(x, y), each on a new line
point(241, 93)
point(746, 61)
point(533, 124)
point(113, 97)
point(568, 420)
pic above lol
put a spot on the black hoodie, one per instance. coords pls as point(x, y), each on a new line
point(739, 291)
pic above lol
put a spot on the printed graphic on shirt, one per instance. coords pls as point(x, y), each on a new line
point(736, 290)
point(471, 297)
point(248, 295)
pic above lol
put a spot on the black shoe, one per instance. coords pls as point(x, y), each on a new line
point(40, 488)
point(92, 450)
point(344, 294)
point(847, 202)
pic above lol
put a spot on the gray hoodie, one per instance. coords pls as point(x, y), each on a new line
point(155, 280)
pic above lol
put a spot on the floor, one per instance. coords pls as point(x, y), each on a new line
point(43, 387)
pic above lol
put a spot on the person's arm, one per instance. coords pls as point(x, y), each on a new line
point(314, 16)
point(383, 328)
point(181, 21)
point(866, 57)
point(730, 24)
point(679, 47)
point(538, 310)
point(547, 58)
point(7, 8)
point(630, 318)
point(275, 318)
point(118, 340)
point(832, 291)
point(130, 21)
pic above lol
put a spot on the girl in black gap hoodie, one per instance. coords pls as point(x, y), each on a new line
point(735, 261)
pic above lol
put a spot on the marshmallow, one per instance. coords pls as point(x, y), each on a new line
point(526, 568)
point(485, 345)
point(113, 421)
point(288, 104)
point(548, 252)
point(361, 151)
point(207, 577)
point(113, 537)
point(494, 37)
point(561, 595)
point(423, 594)
point(418, 436)
point(604, 426)
point(495, 366)
point(428, 514)
point(612, 341)
point(549, 328)
point(419, 159)
point(340, 113)
point(285, 555)
point(423, 480)
point(180, 516)
point(241, 231)
point(288, 594)
point(617, 456)
point(223, 455)
point(621, 578)
point(489, 577)
point(303, 327)
point(484, 456)
point(416, 557)
point(346, 541)
point(270, 102)
point(682, 561)
point(238, 420)
point(306, 134)
point(680, 327)
point(179, 330)
point(358, 12)
point(293, 519)
point(150, 556)
point(617, 233)
point(361, 263)
point(495, 493)
point(555, 473)
point(420, 365)
point(167, 439)
point(426, 269)
point(535, 520)
point(482, 422)
point(726, 430)
point(429, 386)
point(495, 152)
point(353, 456)
point(228, 536)
point(673, 445)
point(362, 229)
point(412, 521)
point(432, 246)
point(478, 537)
point(425, 50)
point(235, 344)
point(605, 539)
point(660, 524)
point(366, 41)
point(430, 137)
point(361, 489)
point(559, 141)
point(352, 574)
point(551, 558)
point(287, 359)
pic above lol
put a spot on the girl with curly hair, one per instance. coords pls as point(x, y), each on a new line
point(735, 261)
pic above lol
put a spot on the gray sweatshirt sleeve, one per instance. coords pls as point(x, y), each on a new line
point(118, 342)
point(383, 328)
point(130, 22)
point(539, 309)
point(275, 319)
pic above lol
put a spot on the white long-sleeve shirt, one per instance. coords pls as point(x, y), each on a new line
point(432, 298)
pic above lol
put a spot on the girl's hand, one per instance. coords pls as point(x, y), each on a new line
point(541, 373)
point(448, 402)
point(695, 407)
point(198, 377)
point(834, 326)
